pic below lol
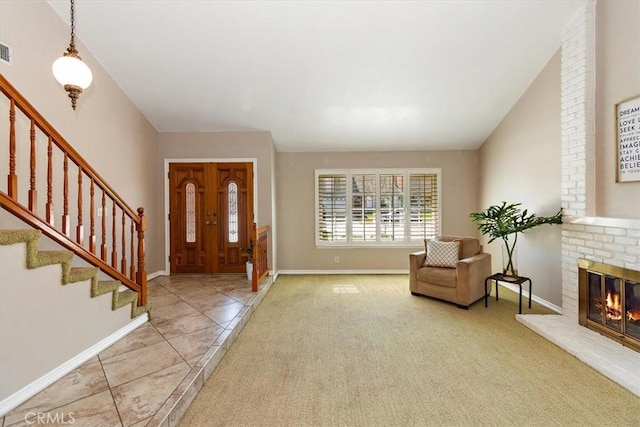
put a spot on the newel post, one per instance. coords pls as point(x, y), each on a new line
point(141, 274)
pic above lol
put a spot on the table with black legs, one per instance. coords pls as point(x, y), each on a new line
point(499, 277)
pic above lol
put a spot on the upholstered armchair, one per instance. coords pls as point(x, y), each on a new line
point(455, 273)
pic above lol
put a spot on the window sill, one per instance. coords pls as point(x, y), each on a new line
point(415, 245)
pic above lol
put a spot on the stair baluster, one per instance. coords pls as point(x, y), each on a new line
point(103, 244)
point(114, 231)
point(132, 272)
point(12, 179)
point(123, 264)
point(79, 226)
point(33, 194)
point(65, 201)
point(92, 226)
point(50, 217)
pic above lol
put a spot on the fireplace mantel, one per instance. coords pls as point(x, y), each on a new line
point(604, 221)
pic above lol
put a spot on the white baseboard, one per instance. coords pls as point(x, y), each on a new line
point(155, 274)
point(150, 276)
point(46, 380)
point(525, 296)
point(342, 272)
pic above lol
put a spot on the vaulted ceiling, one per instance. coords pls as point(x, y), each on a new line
point(325, 75)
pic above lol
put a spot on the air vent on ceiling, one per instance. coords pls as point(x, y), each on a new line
point(5, 53)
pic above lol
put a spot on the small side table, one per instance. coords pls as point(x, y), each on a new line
point(499, 277)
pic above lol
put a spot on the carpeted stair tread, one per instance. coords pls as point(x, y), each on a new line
point(79, 274)
point(120, 299)
point(43, 258)
point(105, 286)
point(10, 237)
point(137, 311)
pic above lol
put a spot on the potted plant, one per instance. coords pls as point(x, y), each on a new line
point(249, 263)
point(502, 221)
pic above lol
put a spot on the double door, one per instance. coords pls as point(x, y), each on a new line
point(211, 215)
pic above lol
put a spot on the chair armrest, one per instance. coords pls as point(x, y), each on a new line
point(481, 257)
point(471, 274)
point(416, 260)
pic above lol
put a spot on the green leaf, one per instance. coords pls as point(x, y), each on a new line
point(500, 221)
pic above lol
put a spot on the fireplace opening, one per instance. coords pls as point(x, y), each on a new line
point(610, 301)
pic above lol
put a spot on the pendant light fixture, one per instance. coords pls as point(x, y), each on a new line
point(69, 70)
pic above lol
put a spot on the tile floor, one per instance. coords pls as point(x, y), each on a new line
point(151, 376)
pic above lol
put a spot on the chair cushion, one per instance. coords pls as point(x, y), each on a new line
point(438, 276)
point(442, 254)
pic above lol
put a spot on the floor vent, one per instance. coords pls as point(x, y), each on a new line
point(5, 53)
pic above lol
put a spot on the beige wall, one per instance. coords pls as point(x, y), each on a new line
point(617, 79)
point(226, 145)
point(106, 129)
point(520, 163)
point(295, 205)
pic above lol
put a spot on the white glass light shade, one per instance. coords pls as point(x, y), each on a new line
point(70, 70)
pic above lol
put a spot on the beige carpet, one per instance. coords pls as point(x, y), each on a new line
point(361, 351)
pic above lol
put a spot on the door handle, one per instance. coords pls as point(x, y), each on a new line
point(211, 223)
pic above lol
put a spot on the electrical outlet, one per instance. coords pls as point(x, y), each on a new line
point(336, 260)
point(99, 212)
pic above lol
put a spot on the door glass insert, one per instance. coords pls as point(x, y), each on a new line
point(190, 210)
point(232, 191)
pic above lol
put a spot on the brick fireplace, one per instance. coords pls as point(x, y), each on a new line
point(609, 301)
point(611, 241)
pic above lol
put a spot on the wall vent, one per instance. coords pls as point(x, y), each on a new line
point(5, 53)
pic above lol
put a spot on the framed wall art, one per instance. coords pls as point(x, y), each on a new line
point(628, 140)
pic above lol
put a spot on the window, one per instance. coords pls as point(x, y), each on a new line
point(359, 207)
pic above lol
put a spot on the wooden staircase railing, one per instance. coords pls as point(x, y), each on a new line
point(73, 188)
point(260, 255)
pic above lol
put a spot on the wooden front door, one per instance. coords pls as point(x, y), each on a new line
point(211, 214)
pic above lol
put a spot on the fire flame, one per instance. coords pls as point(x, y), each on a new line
point(614, 307)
